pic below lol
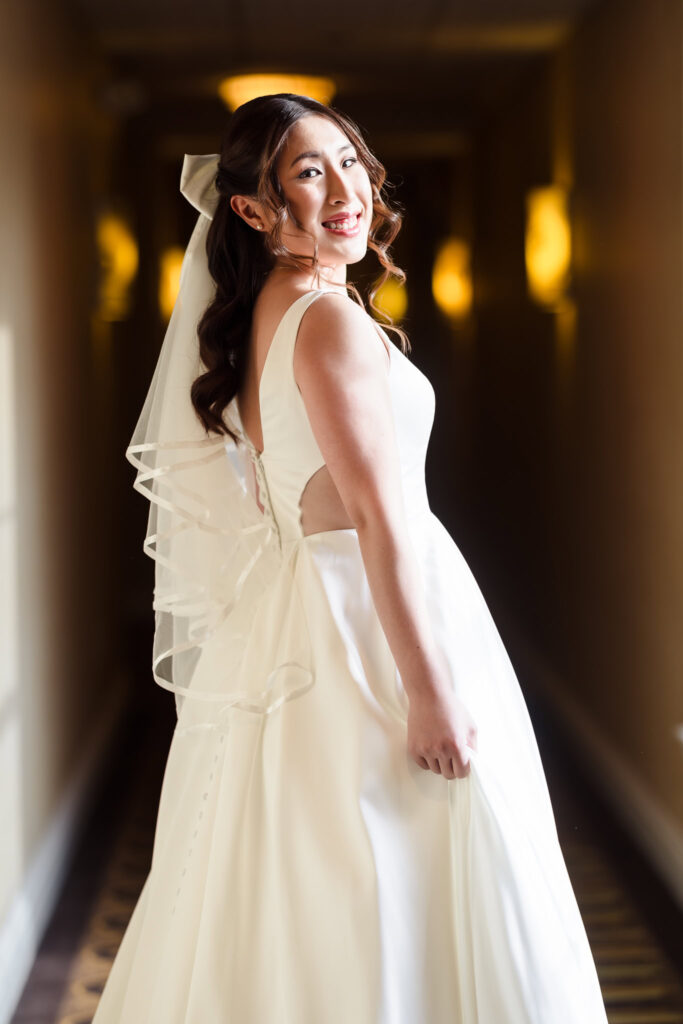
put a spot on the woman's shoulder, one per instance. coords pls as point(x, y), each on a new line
point(337, 324)
point(274, 300)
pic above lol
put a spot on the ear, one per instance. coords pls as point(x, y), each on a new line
point(249, 211)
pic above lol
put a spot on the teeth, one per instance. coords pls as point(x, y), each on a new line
point(342, 225)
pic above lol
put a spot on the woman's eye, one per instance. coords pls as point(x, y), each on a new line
point(305, 174)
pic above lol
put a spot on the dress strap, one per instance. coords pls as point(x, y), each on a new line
point(288, 328)
point(278, 368)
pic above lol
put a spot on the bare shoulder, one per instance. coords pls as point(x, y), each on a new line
point(336, 328)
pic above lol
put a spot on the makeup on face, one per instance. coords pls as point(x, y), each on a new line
point(329, 191)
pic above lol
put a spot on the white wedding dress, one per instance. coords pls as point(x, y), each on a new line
point(305, 869)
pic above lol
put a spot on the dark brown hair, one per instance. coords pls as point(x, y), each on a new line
point(240, 259)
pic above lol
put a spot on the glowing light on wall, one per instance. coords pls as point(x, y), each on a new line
point(118, 253)
point(170, 264)
point(548, 246)
point(238, 89)
point(392, 299)
point(452, 278)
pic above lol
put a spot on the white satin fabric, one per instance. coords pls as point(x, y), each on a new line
point(305, 869)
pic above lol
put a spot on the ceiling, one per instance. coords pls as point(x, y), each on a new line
point(246, 30)
point(408, 66)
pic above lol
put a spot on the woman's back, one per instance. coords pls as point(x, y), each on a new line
point(271, 304)
point(321, 506)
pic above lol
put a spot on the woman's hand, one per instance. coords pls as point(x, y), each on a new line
point(440, 730)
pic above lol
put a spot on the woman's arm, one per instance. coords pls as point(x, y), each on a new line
point(341, 366)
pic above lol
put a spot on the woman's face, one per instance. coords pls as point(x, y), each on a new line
point(328, 190)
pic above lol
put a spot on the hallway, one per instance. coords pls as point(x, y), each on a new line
point(537, 150)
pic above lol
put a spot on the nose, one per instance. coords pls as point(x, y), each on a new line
point(340, 189)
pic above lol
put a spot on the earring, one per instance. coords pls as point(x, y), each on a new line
point(260, 227)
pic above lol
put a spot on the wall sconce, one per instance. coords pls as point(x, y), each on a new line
point(118, 252)
point(392, 299)
point(548, 245)
point(170, 265)
point(452, 279)
point(238, 89)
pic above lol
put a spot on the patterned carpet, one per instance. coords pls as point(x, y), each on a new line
point(640, 984)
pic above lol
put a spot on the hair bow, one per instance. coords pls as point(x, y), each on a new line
point(198, 182)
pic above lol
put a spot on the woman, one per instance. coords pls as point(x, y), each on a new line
point(354, 826)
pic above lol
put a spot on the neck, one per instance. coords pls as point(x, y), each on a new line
point(329, 277)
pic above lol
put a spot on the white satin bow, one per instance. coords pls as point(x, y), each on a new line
point(198, 182)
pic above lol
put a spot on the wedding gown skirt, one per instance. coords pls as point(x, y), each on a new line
point(305, 869)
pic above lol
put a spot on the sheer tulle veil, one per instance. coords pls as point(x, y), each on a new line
point(216, 555)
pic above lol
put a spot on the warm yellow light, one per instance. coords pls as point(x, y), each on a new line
point(452, 278)
point(238, 89)
point(118, 253)
point(392, 299)
point(548, 243)
point(170, 266)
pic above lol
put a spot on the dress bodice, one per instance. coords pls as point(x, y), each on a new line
point(291, 454)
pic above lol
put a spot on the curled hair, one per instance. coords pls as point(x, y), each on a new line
point(240, 259)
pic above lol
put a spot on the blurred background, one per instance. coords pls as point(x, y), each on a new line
point(537, 147)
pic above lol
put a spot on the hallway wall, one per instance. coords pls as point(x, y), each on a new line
point(581, 484)
point(61, 685)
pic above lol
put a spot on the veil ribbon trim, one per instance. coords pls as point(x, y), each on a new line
point(220, 567)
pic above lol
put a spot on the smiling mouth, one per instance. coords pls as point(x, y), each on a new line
point(347, 226)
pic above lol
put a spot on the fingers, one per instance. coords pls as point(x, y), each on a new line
point(449, 754)
point(448, 767)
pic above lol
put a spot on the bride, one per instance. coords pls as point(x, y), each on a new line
point(354, 824)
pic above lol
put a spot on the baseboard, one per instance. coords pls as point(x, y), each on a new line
point(30, 911)
point(654, 832)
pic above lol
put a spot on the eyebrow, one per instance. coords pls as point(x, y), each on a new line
point(313, 155)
